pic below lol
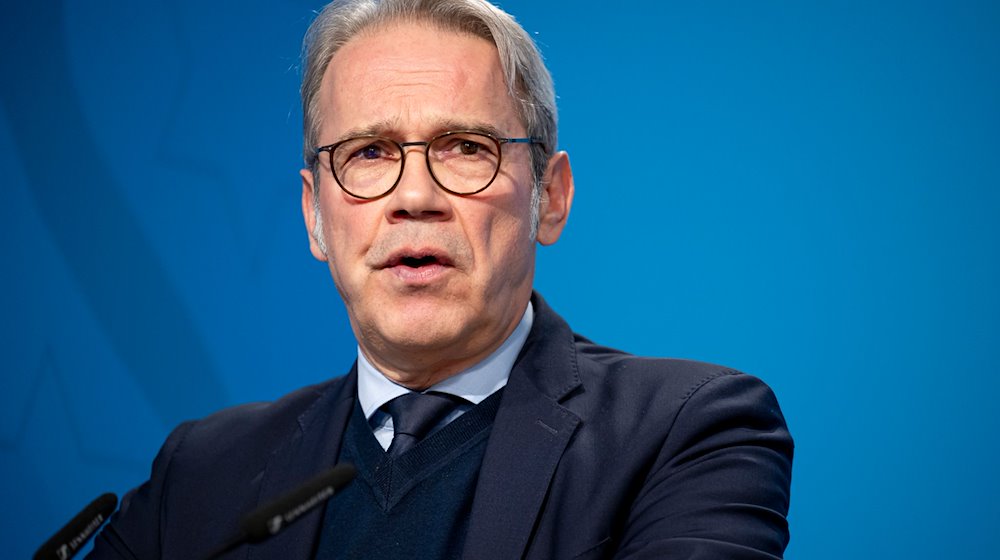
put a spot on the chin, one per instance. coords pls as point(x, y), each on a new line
point(420, 324)
point(423, 342)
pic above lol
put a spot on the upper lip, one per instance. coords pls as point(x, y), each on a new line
point(399, 256)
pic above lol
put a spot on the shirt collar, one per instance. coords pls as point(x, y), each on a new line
point(473, 384)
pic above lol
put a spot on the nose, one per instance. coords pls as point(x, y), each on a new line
point(417, 196)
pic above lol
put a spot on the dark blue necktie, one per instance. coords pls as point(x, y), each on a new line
point(414, 415)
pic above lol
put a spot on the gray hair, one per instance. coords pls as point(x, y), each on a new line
point(528, 81)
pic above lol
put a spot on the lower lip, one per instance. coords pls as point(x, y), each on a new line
point(419, 275)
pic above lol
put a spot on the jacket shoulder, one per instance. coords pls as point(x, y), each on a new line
point(708, 442)
point(257, 421)
point(672, 378)
point(206, 475)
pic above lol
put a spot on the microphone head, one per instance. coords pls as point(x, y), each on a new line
point(68, 541)
point(271, 518)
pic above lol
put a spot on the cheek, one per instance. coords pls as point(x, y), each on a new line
point(508, 238)
point(345, 237)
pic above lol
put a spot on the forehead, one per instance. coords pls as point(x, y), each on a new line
point(411, 79)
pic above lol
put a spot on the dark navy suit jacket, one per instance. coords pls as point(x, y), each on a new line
point(593, 454)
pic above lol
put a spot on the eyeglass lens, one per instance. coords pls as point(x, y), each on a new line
point(462, 162)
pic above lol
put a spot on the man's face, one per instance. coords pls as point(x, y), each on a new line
point(433, 282)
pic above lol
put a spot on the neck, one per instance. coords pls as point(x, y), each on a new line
point(419, 368)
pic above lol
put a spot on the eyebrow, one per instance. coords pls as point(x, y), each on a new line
point(475, 126)
point(390, 128)
point(378, 128)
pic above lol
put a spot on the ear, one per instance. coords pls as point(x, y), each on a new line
point(309, 214)
point(557, 198)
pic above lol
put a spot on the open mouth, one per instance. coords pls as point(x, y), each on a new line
point(418, 266)
point(418, 258)
point(417, 262)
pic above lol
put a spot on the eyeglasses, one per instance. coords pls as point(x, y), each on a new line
point(462, 162)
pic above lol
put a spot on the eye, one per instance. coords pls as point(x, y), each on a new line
point(468, 147)
point(364, 152)
point(371, 151)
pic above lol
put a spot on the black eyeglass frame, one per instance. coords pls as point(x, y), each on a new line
point(427, 158)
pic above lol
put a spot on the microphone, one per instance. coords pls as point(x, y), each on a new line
point(271, 518)
point(68, 541)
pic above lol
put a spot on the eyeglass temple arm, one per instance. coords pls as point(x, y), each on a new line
point(531, 140)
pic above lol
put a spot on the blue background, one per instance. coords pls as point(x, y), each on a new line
point(804, 191)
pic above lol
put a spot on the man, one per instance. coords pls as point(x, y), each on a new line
point(431, 174)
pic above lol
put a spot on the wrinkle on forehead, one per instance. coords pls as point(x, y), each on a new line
point(379, 76)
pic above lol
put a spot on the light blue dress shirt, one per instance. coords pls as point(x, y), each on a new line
point(473, 384)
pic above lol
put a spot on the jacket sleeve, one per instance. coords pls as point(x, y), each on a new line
point(720, 485)
point(135, 529)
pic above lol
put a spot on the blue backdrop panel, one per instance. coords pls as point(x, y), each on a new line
point(807, 192)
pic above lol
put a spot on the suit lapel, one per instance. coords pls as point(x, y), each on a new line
point(313, 449)
point(527, 440)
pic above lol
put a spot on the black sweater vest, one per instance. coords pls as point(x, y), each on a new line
point(414, 506)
